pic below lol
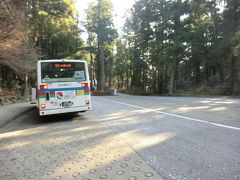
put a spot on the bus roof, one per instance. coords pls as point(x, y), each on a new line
point(61, 60)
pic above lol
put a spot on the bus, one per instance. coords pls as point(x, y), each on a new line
point(63, 86)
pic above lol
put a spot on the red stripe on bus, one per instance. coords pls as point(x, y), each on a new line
point(41, 93)
point(87, 90)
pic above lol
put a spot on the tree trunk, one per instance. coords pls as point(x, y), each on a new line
point(232, 74)
point(221, 73)
point(177, 78)
point(110, 78)
point(102, 68)
point(127, 81)
point(160, 82)
point(25, 88)
point(118, 82)
point(196, 74)
point(91, 66)
point(154, 82)
point(172, 79)
point(1, 77)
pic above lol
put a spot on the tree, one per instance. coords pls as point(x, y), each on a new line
point(47, 27)
point(16, 51)
point(54, 28)
point(99, 22)
point(231, 32)
point(178, 45)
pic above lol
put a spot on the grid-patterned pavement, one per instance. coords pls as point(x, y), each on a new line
point(77, 149)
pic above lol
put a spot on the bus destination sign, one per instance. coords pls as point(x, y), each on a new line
point(63, 65)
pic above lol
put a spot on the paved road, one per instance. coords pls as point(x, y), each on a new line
point(127, 137)
point(181, 137)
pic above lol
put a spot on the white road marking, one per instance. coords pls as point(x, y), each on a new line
point(179, 116)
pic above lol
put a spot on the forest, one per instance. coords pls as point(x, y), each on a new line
point(166, 47)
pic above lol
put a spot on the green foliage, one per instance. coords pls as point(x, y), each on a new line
point(178, 45)
point(54, 28)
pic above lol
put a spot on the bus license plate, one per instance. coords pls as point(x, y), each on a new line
point(67, 104)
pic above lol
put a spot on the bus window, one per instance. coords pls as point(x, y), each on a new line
point(63, 72)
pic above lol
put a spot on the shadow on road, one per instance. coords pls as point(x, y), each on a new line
point(32, 119)
point(59, 118)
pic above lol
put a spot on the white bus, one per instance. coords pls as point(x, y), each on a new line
point(63, 86)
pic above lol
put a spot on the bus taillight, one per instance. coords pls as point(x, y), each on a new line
point(43, 87)
point(84, 84)
point(43, 106)
point(87, 102)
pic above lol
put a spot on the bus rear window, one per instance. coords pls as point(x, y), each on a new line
point(63, 72)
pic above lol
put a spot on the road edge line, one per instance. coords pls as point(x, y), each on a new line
point(179, 116)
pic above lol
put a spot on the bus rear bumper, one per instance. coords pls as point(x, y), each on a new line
point(65, 110)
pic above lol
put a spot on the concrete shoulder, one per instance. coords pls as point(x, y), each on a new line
point(10, 112)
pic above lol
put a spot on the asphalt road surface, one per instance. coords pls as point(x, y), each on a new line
point(159, 137)
point(181, 137)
